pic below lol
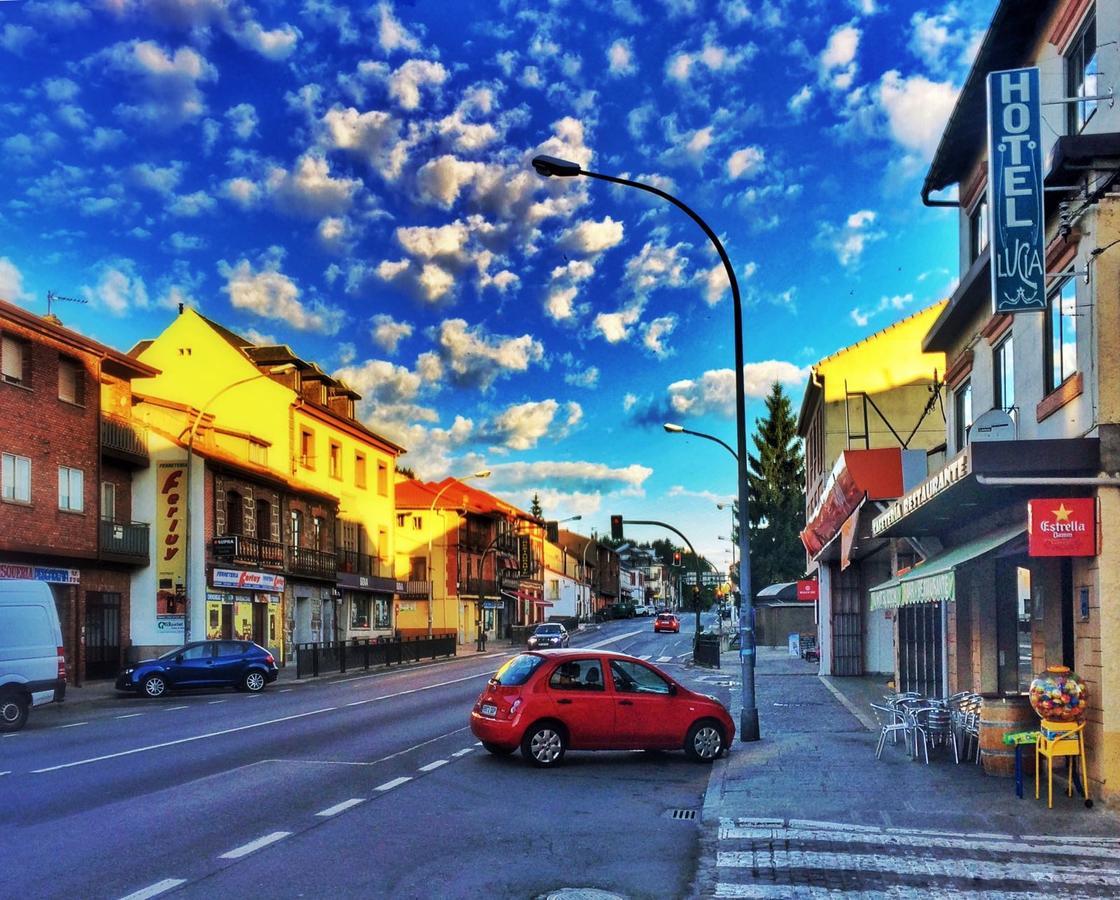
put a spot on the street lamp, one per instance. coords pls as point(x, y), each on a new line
point(274, 370)
point(677, 429)
point(485, 473)
point(748, 719)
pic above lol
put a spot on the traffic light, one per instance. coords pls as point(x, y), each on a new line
point(696, 597)
point(616, 528)
point(676, 557)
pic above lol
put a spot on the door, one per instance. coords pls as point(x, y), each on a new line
point(228, 662)
point(847, 623)
point(194, 666)
point(103, 629)
point(646, 714)
point(582, 703)
point(260, 623)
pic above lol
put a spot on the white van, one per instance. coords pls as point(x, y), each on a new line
point(32, 661)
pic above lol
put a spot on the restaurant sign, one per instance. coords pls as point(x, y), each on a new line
point(1015, 195)
point(808, 589)
point(1062, 527)
point(957, 469)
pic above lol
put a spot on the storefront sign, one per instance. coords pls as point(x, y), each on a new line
point(1015, 197)
point(252, 581)
point(224, 546)
point(1062, 527)
point(40, 573)
point(956, 470)
point(524, 557)
point(808, 589)
point(171, 558)
point(171, 627)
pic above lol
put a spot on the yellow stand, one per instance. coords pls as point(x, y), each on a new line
point(1061, 739)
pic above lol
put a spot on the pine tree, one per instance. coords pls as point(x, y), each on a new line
point(776, 481)
point(535, 508)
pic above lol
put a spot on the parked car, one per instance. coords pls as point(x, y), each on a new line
point(32, 661)
point(551, 701)
point(238, 664)
point(548, 634)
point(667, 622)
point(643, 609)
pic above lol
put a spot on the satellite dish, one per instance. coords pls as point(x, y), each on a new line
point(994, 425)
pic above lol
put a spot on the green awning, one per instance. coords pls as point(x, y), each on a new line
point(935, 579)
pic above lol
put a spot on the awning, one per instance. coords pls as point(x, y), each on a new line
point(783, 591)
point(935, 579)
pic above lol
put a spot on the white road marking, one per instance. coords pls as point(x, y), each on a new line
point(613, 640)
point(154, 890)
point(463, 752)
point(646, 656)
point(5, 773)
point(664, 659)
point(427, 687)
point(340, 807)
point(9, 735)
point(389, 785)
point(173, 708)
point(187, 740)
point(72, 725)
point(432, 766)
point(253, 696)
point(284, 691)
point(212, 702)
point(253, 846)
point(129, 716)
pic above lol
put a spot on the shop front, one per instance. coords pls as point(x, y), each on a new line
point(244, 605)
point(367, 605)
point(312, 612)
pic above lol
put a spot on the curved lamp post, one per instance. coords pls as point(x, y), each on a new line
point(274, 370)
point(485, 473)
point(678, 429)
point(748, 719)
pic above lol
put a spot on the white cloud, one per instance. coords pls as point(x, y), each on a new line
point(391, 34)
point(60, 90)
point(279, 43)
point(475, 358)
point(590, 238)
point(800, 100)
point(405, 83)
point(103, 139)
point(837, 62)
point(655, 333)
point(309, 190)
point(746, 162)
point(335, 234)
point(160, 179)
point(243, 191)
point(11, 282)
point(119, 289)
point(620, 56)
point(897, 303)
point(387, 332)
point(713, 393)
point(849, 240)
point(584, 378)
point(615, 327)
point(374, 137)
point(243, 120)
point(166, 85)
point(656, 266)
point(441, 180)
point(711, 57)
point(573, 476)
point(716, 284)
point(16, 38)
point(916, 109)
point(520, 426)
point(271, 294)
point(191, 205)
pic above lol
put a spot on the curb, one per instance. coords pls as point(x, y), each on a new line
point(864, 719)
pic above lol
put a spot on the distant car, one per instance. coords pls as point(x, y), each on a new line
point(667, 622)
point(643, 609)
point(548, 702)
point(238, 664)
point(547, 635)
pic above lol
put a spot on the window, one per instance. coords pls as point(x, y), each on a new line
point(418, 568)
point(401, 517)
point(1061, 334)
point(360, 470)
point(1003, 369)
point(71, 381)
point(382, 479)
point(359, 611)
point(13, 360)
point(336, 460)
point(381, 613)
point(382, 549)
point(70, 488)
point(417, 523)
point(317, 532)
point(15, 478)
point(634, 678)
point(978, 230)
point(306, 448)
point(297, 526)
point(235, 513)
point(962, 413)
point(108, 501)
point(264, 520)
point(1081, 75)
point(577, 675)
point(258, 453)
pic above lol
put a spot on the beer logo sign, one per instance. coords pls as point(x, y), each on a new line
point(1062, 527)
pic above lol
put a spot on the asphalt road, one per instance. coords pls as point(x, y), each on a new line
point(367, 785)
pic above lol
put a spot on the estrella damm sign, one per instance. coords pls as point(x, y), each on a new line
point(1065, 526)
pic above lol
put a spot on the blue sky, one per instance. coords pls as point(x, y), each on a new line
point(353, 180)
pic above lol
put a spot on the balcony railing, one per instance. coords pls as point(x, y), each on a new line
point(355, 563)
point(317, 563)
point(125, 541)
point(124, 439)
point(243, 550)
point(479, 587)
point(417, 590)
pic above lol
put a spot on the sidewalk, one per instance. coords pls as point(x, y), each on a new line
point(815, 768)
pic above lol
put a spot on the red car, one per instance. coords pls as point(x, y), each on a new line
point(667, 622)
point(550, 701)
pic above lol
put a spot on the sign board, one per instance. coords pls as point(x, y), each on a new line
point(994, 425)
point(172, 627)
point(808, 589)
point(1062, 527)
point(225, 546)
point(955, 470)
point(254, 581)
point(1015, 195)
point(794, 639)
point(40, 573)
point(171, 557)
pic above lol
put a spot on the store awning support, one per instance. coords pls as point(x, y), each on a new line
point(1013, 481)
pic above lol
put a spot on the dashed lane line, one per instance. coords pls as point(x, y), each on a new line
point(389, 785)
point(212, 702)
point(432, 766)
point(154, 890)
point(72, 725)
point(340, 807)
point(426, 687)
point(128, 716)
point(463, 752)
point(173, 708)
point(254, 846)
point(664, 659)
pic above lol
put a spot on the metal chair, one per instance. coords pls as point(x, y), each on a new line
point(938, 724)
point(890, 723)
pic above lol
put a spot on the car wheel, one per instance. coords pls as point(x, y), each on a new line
point(705, 741)
point(496, 750)
point(544, 745)
point(154, 686)
point(13, 712)
point(254, 682)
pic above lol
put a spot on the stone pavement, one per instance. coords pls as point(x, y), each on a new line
point(807, 811)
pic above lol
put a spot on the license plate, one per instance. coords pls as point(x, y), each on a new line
point(489, 709)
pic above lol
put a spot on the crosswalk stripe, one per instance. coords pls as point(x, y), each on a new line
point(664, 659)
point(725, 891)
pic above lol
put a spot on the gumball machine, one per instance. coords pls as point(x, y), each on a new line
point(1058, 695)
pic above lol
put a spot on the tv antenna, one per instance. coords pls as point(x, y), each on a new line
point(52, 297)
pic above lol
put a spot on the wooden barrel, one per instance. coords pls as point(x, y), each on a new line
point(1000, 715)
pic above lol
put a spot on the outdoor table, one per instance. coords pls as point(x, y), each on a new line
point(1019, 739)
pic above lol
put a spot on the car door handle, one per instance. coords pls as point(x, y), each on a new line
point(625, 702)
point(563, 701)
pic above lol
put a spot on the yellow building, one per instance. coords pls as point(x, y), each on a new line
point(330, 532)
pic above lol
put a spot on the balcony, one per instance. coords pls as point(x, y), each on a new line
point(354, 563)
point(482, 588)
point(242, 550)
point(125, 542)
point(313, 563)
point(416, 590)
point(124, 441)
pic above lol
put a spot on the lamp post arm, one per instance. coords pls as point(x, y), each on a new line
point(712, 437)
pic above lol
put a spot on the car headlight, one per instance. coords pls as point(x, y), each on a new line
point(129, 671)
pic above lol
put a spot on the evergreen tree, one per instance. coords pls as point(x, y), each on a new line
point(776, 481)
point(535, 508)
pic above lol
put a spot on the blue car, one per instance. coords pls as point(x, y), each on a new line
point(239, 664)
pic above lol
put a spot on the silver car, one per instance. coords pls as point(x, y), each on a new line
point(547, 635)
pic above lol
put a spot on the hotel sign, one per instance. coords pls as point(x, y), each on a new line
point(1062, 527)
point(1015, 196)
point(957, 469)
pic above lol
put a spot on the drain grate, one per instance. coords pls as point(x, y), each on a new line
point(688, 814)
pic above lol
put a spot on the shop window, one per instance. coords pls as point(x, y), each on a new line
point(1081, 75)
point(15, 356)
point(1003, 371)
point(360, 470)
point(71, 381)
point(962, 413)
point(235, 513)
point(1061, 334)
point(307, 448)
point(336, 460)
point(360, 612)
point(15, 478)
point(382, 479)
point(978, 230)
point(381, 613)
point(71, 487)
point(108, 501)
